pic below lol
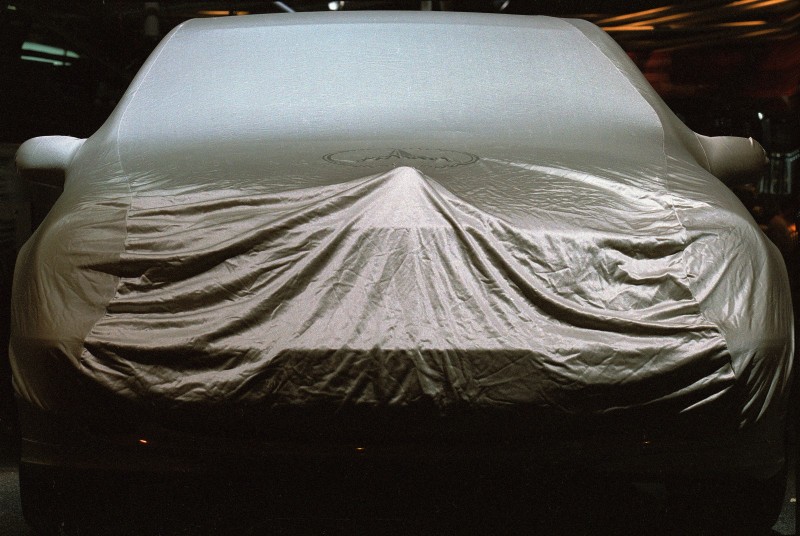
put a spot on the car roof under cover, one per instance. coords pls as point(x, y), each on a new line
point(258, 91)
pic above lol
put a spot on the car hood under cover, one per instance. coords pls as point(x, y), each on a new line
point(440, 274)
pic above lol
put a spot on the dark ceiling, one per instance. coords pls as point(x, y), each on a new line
point(741, 55)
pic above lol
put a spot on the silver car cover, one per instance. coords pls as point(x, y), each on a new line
point(401, 210)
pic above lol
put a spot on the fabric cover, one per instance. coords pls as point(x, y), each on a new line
point(427, 211)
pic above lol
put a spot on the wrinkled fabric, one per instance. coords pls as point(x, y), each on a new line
point(388, 290)
point(371, 212)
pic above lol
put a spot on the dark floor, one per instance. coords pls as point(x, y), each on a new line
point(591, 506)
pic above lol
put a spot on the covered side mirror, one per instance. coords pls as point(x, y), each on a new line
point(43, 163)
point(45, 159)
point(733, 160)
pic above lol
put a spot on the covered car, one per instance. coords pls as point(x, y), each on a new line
point(428, 230)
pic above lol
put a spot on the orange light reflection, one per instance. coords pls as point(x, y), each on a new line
point(628, 28)
point(761, 32)
point(629, 16)
point(743, 23)
point(668, 18)
point(221, 12)
point(742, 3)
point(766, 4)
